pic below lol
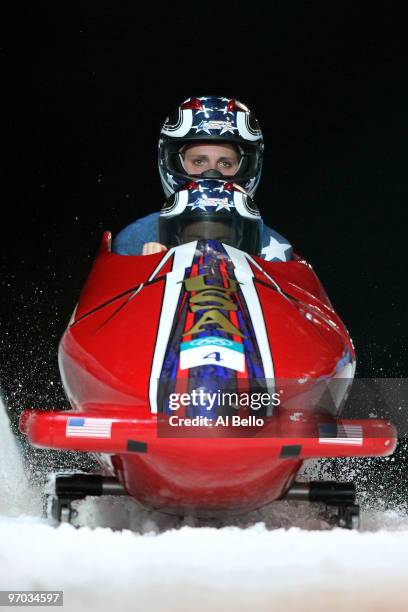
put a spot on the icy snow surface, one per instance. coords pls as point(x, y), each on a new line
point(128, 558)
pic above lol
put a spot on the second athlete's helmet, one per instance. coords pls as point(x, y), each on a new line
point(211, 210)
point(210, 120)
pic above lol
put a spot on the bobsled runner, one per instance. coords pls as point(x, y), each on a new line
point(201, 379)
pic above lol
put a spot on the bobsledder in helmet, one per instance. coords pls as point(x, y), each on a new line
point(210, 209)
point(210, 120)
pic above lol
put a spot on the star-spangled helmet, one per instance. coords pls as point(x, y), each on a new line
point(207, 209)
point(210, 120)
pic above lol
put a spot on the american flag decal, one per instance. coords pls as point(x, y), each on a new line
point(332, 433)
point(85, 427)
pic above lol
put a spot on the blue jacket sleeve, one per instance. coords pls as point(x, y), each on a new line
point(131, 239)
point(274, 246)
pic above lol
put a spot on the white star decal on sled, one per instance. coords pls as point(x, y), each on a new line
point(275, 250)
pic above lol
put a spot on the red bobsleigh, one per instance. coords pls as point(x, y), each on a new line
point(202, 378)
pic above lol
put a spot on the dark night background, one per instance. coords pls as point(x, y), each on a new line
point(86, 95)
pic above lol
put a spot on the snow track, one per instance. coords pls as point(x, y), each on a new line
point(206, 568)
point(16, 494)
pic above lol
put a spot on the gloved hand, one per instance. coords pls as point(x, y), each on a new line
point(153, 247)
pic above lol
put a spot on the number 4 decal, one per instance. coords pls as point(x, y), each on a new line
point(214, 355)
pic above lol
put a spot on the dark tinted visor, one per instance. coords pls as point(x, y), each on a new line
point(239, 232)
point(208, 230)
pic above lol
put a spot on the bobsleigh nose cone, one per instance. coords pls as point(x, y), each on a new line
point(212, 174)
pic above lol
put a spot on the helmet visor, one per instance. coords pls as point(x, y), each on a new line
point(238, 231)
point(224, 232)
